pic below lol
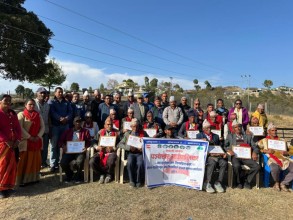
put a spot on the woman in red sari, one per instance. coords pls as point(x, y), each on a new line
point(10, 135)
point(30, 147)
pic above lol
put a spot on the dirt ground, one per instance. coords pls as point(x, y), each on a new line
point(49, 199)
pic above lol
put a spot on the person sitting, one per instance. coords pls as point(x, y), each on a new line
point(213, 159)
point(169, 132)
point(238, 137)
point(278, 160)
point(228, 128)
point(90, 125)
point(77, 133)
point(128, 118)
point(135, 164)
point(189, 125)
point(103, 162)
point(151, 124)
point(116, 121)
point(254, 122)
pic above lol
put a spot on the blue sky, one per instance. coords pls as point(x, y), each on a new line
point(212, 40)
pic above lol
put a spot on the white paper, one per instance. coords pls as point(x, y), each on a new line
point(257, 131)
point(218, 132)
point(74, 147)
point(242, 152)
point(126, 125)
point(151, 132)
point(215, 149)
point(107, 141)
point(134, 141)
point(191, 134)
point(277, 145)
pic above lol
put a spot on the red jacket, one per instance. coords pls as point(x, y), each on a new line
point(68, 134)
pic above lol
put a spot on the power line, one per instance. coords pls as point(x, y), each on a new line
point(132, 36)
point(93, 50)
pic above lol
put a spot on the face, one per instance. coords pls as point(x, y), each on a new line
point(210, 108)
point(213, 119)
point(134, 127)
point(130, 98)
point(59, 93)
point(183, 101)
point(108, 125)
point(117, 98)
point(191, 119)
point(41, 96)
point(261, 110)
point(30, 106)
point(98, 95)
point(113, 115)
point(146, 99)
point(220, 104)
point(107, 100)
point(77, 125)
point(6, 103)
point(232, 117)
point(130, 114)
point(169, 132)
point(157, 103)
point(207, 130)
point(237, 129)
point(173, 104)
point(273, 132)
point(68, 97)
point(88, 119)
point(75, 98)
point(150, 117)
point(238, 104)
point(196, 104)
point(164, 97)
point(139, 100)
point(86, 98)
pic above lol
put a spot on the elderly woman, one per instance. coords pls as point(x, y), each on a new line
point(241, 112)
point(278, 160)
point(33, 127)
point(135, 166)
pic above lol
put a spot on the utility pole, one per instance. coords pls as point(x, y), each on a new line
point(171, 78)
point(247, 77)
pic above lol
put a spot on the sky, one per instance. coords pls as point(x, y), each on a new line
point(227, 42)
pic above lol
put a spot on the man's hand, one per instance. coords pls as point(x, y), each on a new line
point(133, 149)
point(230, 152)
point(99, 148)
point(254, 156)
point(109, 149)
point(64, 147)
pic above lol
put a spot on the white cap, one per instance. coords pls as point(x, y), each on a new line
point(130, 110)
point(213, 114)
point(171, 99)
point(130, 93)
point(85, 93)
point(134, 121)
point(206, 124)
point(112, 111)
point(271, 125)
point(88, 114)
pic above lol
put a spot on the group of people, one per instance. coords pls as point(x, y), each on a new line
point(24, 137)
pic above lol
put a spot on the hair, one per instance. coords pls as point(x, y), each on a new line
point(28, 100)
point(219, 100)
point(210, 104)
point(4, 96)
point(150, 112)
point(164, 93)
point(75, 93)
point(238, 100)
point(157, 98)
point(58, 88)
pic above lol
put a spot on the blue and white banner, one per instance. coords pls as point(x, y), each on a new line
point(175, 162)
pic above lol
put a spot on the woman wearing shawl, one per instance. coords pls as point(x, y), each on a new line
point(32, 126)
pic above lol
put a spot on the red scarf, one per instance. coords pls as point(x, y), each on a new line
point(34, 117)
point(230, 127)
point(187, 126)
point(145, 126)
point(278, 161)
point(216, 125)
point(116, 123)
point(128, 119)
point(209, 135)
point(104, 155)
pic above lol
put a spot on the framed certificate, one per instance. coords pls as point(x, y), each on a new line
point(256, 131)
point(191, 134)
point(126, 125)
point(218, 132)
point(134, 141)
point(150, 131)
point(75, 147)
point(107, 141)
point(277, 145)
point(215, 149)
point(242, 152)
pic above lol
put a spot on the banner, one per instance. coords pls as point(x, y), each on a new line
point(175, 162)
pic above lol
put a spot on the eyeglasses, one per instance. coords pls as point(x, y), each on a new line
point(238, 103)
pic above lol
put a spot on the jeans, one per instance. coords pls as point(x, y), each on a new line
point(45, 149)
point(57, 131)
point(135, 168)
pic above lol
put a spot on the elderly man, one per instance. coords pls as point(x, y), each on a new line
point(261, 116)
point(184, 107)
point(77, 133)
point(169, 132)
point(43, 108)
point(119, 105)
point(95, 106)
point(213, 159)
point(128, 118)
point(128, 103)
point(116, 121)
point(278, 160)
point(135, 165)
point(191, 124)
point(196, 106)
point(164, 100)
point(140, 109)
point(157, 111)
point(103, 162)
point(241, 112)
point(173, 115)
point(151, 124)
point(104, 109)
point(240, 138)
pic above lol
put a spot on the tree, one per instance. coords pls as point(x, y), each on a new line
point(196, 86)
point(208, 85)
point(146, 81)
point(28, 93)
point(22, 54)
point(130, 83)
point(20, 90)
point(154, 83)
point(102, 88)
point(52, 76)
point(112, 84)
point(74, 87)
point(268, 83)
point(90, 90)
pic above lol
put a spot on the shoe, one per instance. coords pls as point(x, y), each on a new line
point(3, 194)
point(108, 179)
point(102, 179)
point(218, 187)
point(277, 187)
point(247, 185)
point(132, 184)
point(209, 188)
point(239, 186)
point(138, 185)
point(284, 188)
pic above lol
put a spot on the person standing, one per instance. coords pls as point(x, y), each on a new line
point(95, 106)
point(10, 136)
point(104, 109)
point(32, 126)
point(140, 109)
point(43, 108)
point(241, 112)
point(60, 114)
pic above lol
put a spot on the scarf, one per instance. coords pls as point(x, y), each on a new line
point(104, 155)
point(278, 161)
point(34, 129)
point(194, 126)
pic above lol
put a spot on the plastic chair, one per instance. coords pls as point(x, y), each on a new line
point(123, 164)
point(267, 172)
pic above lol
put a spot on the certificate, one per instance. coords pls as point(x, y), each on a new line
point(126, 125)
point(277, 145)
point(242, 152)
point(107, 141)
point(215, 149)
point(218, 132)
point(151, 131)
point(134, 141)
point(257, 131)
point(74, 147)
point(191, 134)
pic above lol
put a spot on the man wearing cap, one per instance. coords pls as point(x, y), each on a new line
point(278, 160)
point(213, 159)
point(90, 125)
point(77, 133)
point(135, 165)
point(151, 124)
point(128, 118)
point(140, 109)
point(43, 108)
point(95, 106)
point(189, 125)
point(241, 139)
point(103, 162)
point(157, 111)
point(60, 114)
point(128, 103)
point(184, 107)
point(173, 115)
point(104, 109)
point(146, 99)
point(261, 116)
point(116, 121)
